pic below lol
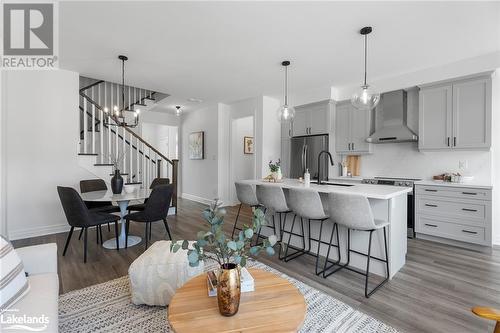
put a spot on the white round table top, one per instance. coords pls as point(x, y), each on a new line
point(108, 195)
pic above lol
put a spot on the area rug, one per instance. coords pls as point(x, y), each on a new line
point(106, 307)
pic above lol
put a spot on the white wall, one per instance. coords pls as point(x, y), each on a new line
point(199, 177)
point(242, 165)
point(40, 136)
point(267, 135)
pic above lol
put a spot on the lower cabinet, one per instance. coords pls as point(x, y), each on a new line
point(456, 213)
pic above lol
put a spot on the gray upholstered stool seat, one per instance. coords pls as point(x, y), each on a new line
point(306, 204)
point(272, 198)
point(354, 212)
point(246, 196)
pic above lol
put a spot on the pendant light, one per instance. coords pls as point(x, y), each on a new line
point(178, 110)
point(286, 113)
point(365, 98)
point(118, 113)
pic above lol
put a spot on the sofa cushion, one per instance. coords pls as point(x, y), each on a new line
point(40, 304)
point(13, 282)
point(157, 273)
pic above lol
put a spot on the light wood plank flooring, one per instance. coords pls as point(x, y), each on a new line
point(432, 293)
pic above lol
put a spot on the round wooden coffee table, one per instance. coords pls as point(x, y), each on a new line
point(276, 305)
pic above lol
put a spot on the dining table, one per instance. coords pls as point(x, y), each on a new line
point(123, 199)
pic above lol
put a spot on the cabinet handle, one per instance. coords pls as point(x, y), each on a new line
point(469, 210)
point(427, 190)
point(349, 146)
point(353, 146)
point(470, 232)
point(454, 141)
point(431, 225)
point(429, 205)
point(448, 141)
point(469, 193)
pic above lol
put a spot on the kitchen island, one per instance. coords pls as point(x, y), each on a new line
point(388, 203)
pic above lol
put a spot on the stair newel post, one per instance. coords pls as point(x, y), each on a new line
point(93, 119)
point(158, 165)
point(175, 168)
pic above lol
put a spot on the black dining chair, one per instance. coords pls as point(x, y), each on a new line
point(79, 216)
point(154, 183)
point(156, 209)
point(92, 185)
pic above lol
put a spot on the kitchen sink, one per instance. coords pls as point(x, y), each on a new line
point(336, 184)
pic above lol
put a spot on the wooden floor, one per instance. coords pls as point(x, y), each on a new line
point(432, 293)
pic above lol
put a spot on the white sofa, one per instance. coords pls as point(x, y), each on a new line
point(40, 262)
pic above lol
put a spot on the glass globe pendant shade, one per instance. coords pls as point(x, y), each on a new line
point(286, 113)
point(365, 98)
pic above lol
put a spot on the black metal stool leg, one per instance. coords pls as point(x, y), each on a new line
point(81, 233)
point(236, 221)
point(67, 240)
point(367, 293)
point(116, 236)
point(319, 246)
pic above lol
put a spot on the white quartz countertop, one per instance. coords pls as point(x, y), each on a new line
point(442, 183)
point(383, 192)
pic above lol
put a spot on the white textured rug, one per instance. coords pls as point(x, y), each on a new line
point(106, 307)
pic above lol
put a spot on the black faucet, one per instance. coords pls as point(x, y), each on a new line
point(319, 163)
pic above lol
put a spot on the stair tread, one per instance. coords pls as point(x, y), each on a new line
point(141, 104)
point(121, 174)
point(104, 164)
point(88, 154)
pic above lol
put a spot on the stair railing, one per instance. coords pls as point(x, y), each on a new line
point(141, 161)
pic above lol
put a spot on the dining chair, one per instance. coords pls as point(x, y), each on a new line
point(156, 209)
point(92, 185)
point(154, 183)
point(79, 216)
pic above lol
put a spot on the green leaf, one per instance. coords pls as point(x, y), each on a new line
point(243, 261)
point(254, 250)
point(272, 240)
point(207, 215)
point(220, 237)
point(232, 245)
point(237, 260)
point(176, 247)
point(269, 250)
point(194, 264)
point(201, 242)
point(248, 233)
point(241, 236)
point(185, 245)
point(240, 245)
point(193, 256)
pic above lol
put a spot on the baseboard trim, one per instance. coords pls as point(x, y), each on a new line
point(464, 245)
point(37, 231)
point(196, 198)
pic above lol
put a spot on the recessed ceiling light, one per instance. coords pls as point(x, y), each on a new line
point(194, 100)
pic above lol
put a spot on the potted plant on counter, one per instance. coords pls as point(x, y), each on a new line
point(275, 169)
point(231, 254)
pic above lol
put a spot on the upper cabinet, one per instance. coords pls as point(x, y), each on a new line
point(456, 115)
point(352, 127)
point(311, 119)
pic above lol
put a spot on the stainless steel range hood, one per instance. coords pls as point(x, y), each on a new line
point(393, 107)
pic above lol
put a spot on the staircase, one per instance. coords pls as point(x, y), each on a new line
point(101, 141)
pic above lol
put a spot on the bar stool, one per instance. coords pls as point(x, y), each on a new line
point(355, 213)
point(307, 205)
point(246, 196)
point(272, 198)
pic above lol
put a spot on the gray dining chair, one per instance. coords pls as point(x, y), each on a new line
point(272, 198)
point(246, 196)
point(355, 213)
point(307, 205)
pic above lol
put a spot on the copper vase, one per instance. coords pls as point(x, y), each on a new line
point(228, 290)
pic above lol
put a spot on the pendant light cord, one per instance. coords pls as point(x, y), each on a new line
point(365, 57)
point(123, 85)
point(286, 85)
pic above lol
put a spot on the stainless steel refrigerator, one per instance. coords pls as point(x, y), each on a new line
point(304, 153)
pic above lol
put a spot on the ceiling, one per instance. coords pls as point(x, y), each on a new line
point(221, 52)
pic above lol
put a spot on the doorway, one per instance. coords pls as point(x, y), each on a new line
point(242, 155)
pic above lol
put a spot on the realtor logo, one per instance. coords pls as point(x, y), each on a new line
point(28, 29)
point(29, 40)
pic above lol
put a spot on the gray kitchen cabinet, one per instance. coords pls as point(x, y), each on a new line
point(286, 130)
point(352, 127)
point(311, 119)
point(456, 114)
